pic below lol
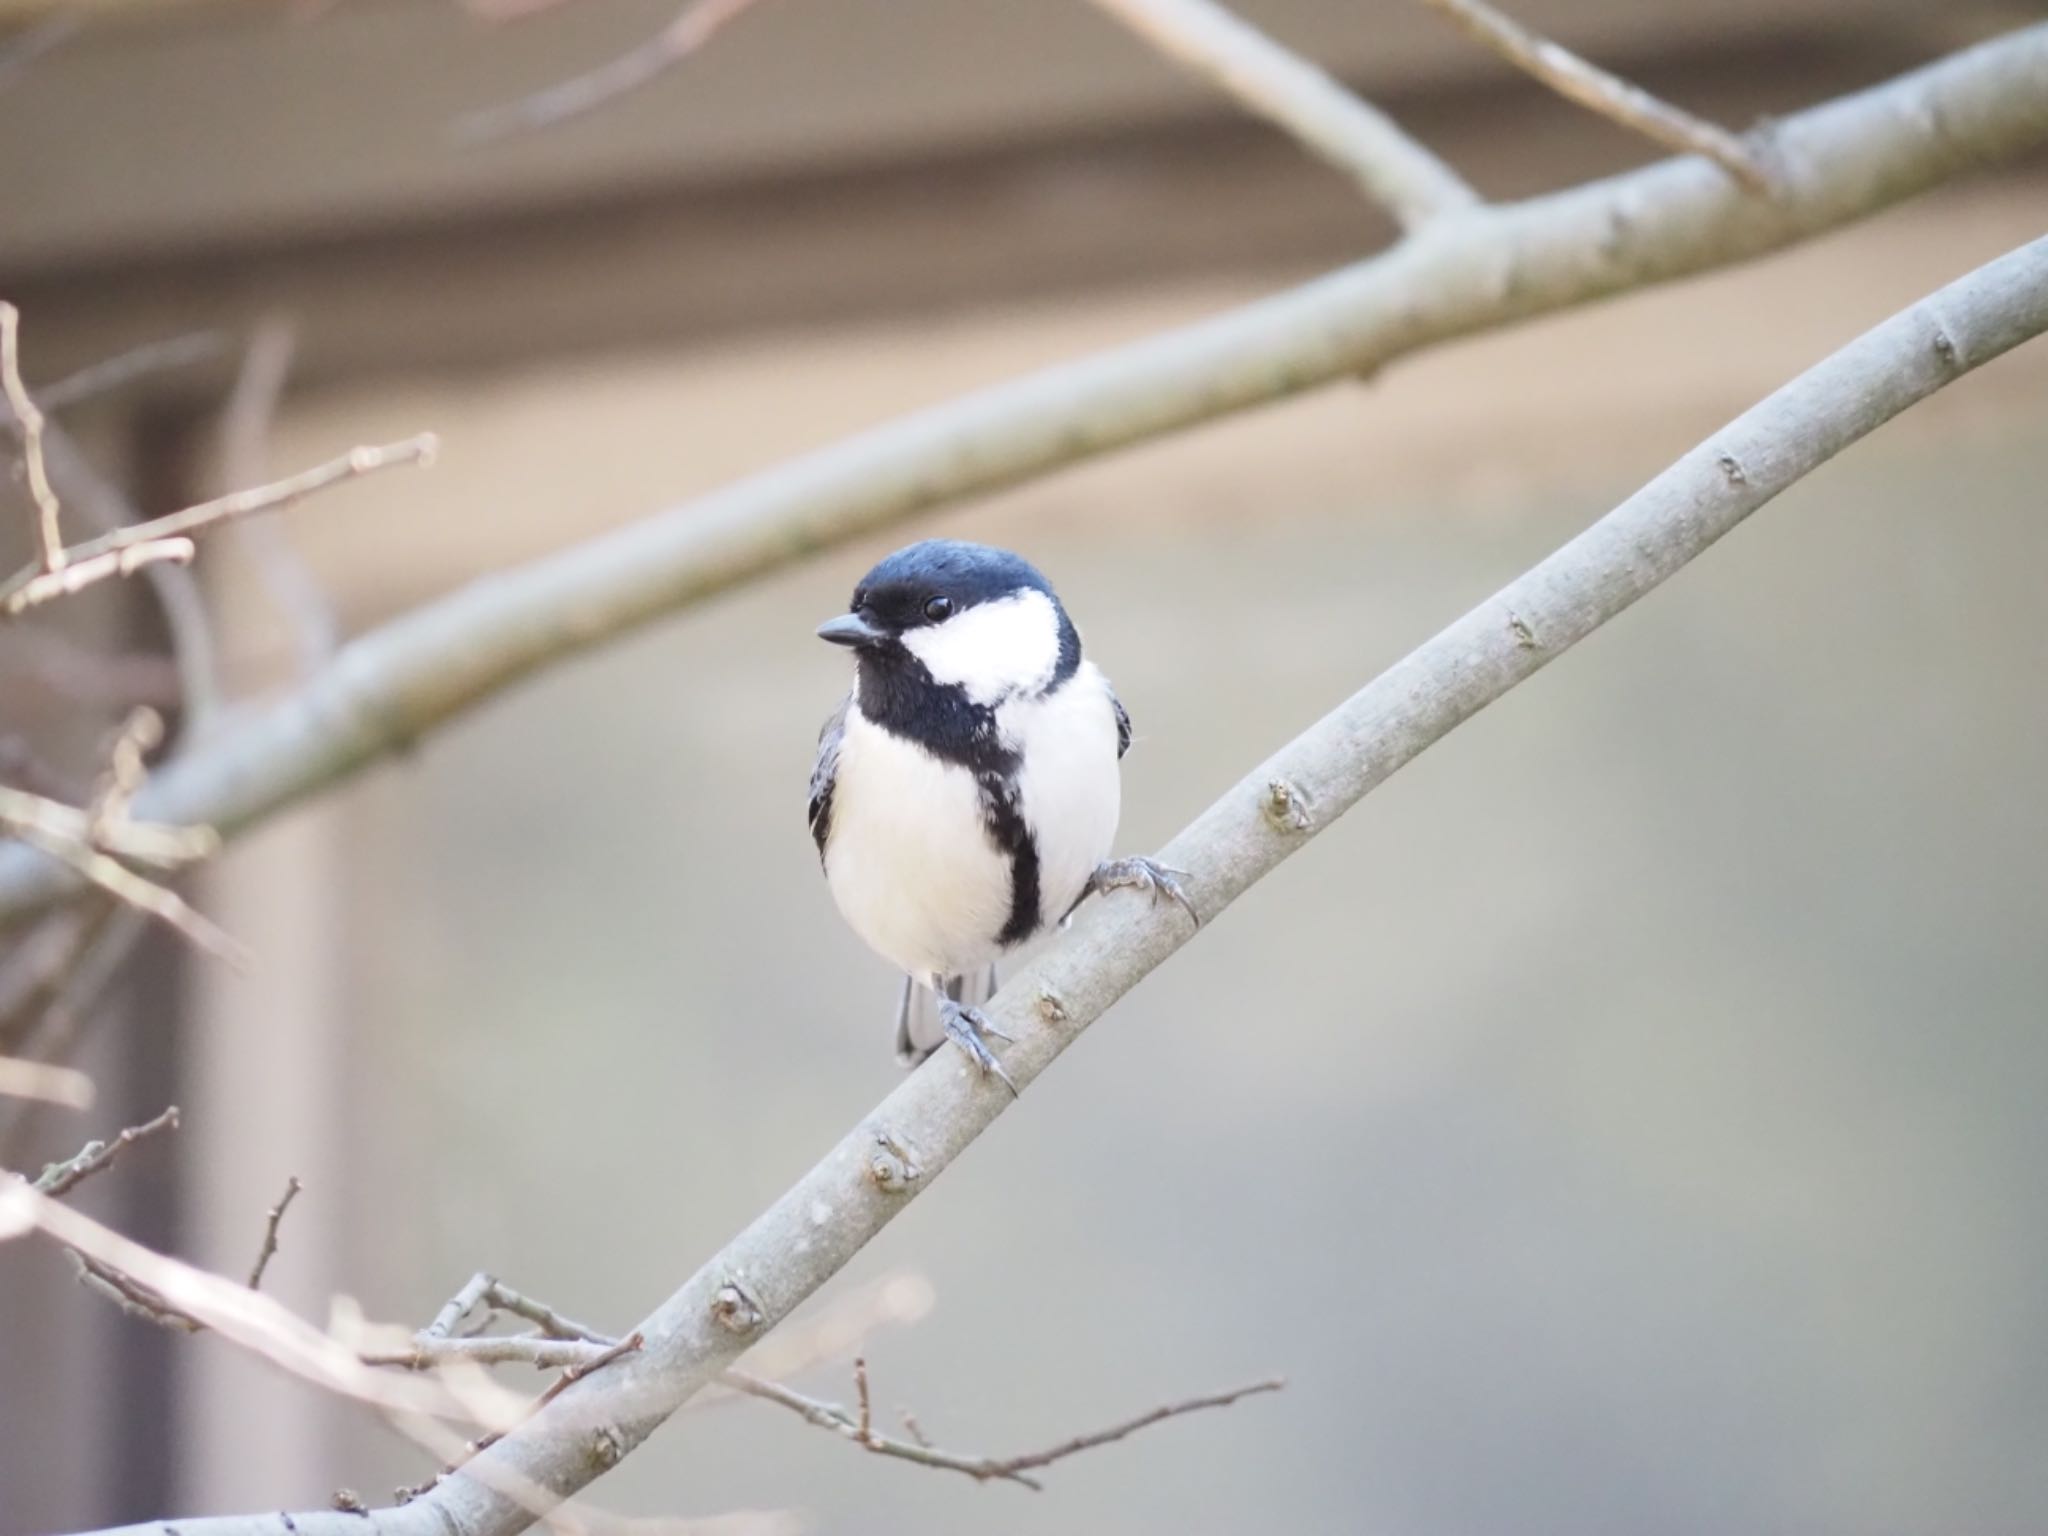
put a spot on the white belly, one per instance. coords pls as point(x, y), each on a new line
point(910, 861)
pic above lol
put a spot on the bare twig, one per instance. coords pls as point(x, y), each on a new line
point(96, 1156)
point(1332, 122)
point(124, 368)
point(268, 1251)
point(692, 28)
point(388, 689)
point(173, 1294)
point(90, 497)
point(50, 552)
point(170, 537)
point(48, 1084)
point(859, 1428)
point(41, 823)
point(1609, 95)
point(95, 840)
point(246, 427)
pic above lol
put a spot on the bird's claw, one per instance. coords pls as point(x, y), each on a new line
point(1138, 873)
point(966, 1027)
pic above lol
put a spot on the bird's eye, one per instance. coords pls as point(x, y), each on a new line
point(938, 609)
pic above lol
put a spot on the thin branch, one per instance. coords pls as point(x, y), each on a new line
point(389, 688)
point(859, 1428)
point(1330, 121)
point(124, 368)
point(95, 840)
point(47, 1084)
point(268, 1251)
point(89, 496)
point(50, 553)
point(696, 24)
point(246, 426)
point(173, 1294)
point(170, 537)
point(59, 1179)
point(842, 1203)
point(1609, 95)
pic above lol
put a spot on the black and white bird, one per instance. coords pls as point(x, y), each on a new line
point(965, 795)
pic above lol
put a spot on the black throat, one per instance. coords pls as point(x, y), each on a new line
point(898, 693)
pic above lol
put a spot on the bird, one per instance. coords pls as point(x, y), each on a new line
point(965, 794)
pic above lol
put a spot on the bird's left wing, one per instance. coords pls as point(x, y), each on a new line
point(1123, 724)
point(825, 775)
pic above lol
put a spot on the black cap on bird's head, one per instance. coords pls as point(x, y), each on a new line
point(928, 583)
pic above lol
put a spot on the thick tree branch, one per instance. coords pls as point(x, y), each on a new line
point(1607, 94)
point(871, 1175)
point(1496, 265)
point(1330, 121)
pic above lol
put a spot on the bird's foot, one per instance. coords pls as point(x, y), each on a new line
point(967, 1028)
point(1138, 873)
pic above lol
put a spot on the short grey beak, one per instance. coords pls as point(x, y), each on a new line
point(849, 629)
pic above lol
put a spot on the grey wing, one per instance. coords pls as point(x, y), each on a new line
point(825, 775)
point(1123, 724)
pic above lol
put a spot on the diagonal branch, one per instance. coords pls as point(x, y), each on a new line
point(817, 1227)
point(390, 687)
point(694, 26)
point(1330, 121)
point(1609, 95)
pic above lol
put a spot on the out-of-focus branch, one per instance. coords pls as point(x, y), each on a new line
point(94, 840)
point(693, 27)
point(1332, 122)
point(40, 1081)
point(124, 368)
point(245, 430)
point(859, 1428)
point(50, 553)
point(174, 1294)
point(60, 1179)
point(390, 687)
point(1607, 94)
point(170, 537)
point(901, 1147)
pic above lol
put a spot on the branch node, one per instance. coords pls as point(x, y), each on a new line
point(735, 1309)
point(607, 1447)
point(1732, 470)
point(1286, 806)
point(1525, 637)
point(1051, 1006)
point(892, 1168)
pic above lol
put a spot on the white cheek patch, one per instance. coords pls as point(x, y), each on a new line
point(993, 650)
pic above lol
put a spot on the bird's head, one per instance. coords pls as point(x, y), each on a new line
point(981, 618)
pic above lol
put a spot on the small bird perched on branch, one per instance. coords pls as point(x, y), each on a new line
point(966, 792)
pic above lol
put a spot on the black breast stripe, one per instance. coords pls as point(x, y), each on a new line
point(901, 696)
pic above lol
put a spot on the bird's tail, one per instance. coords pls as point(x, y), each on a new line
point(918, 1031)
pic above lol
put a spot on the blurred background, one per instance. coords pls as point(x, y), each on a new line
point(1628, 1119)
